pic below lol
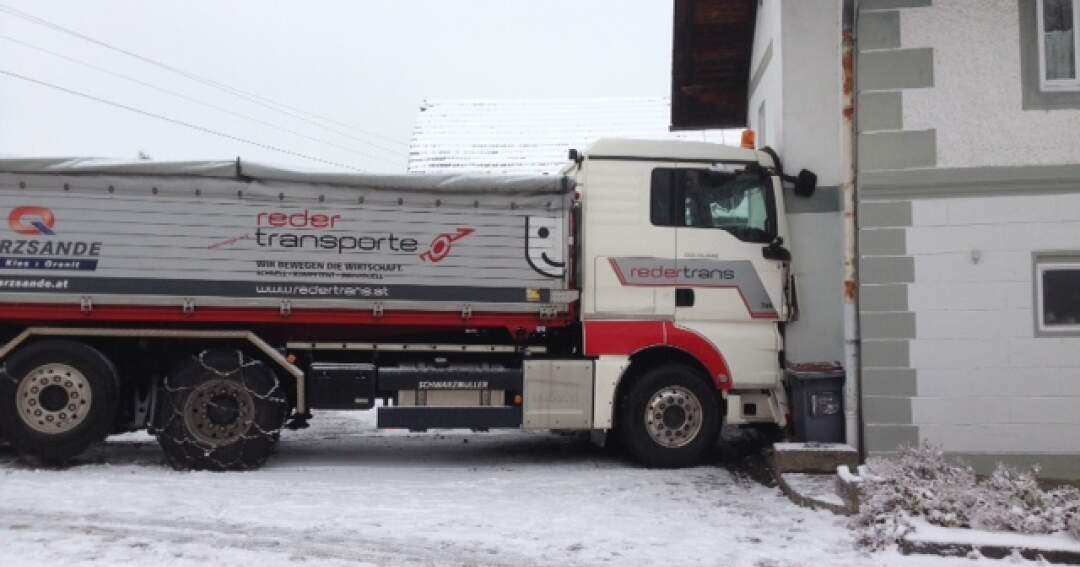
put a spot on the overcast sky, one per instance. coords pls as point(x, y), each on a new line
point(365, 63)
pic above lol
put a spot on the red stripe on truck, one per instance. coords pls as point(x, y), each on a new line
point(33, 314)
point(631, 337)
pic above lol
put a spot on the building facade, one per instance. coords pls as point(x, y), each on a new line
point(969, 228)
point(946, 134)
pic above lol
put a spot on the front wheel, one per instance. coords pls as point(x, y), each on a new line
point(222, 411)
point(669, 418)
point(57, 398)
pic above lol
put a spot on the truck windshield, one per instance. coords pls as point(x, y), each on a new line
point(734, 200)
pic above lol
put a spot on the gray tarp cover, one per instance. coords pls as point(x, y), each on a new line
point(239, 171)
point(165, 231)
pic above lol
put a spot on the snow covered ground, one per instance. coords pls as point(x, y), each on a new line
point(341, 493)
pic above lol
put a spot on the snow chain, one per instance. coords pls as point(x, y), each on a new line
point(215, 418)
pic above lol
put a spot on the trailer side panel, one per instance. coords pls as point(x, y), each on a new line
point(123, 239)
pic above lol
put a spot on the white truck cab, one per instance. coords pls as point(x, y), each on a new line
point(682, 257)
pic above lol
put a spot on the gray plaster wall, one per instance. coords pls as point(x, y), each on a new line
point(985, 105)
point(948, 221)
point(818, 335)
point(813, 140)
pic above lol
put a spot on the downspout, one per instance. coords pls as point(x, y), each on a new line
point(852, 341)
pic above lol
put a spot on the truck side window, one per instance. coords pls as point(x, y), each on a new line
point(736, 201)
point(662, 198)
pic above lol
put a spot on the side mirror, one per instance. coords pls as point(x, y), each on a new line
point(776, 251)
point(805, 183)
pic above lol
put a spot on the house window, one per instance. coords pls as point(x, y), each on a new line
point(736, 200)
point(1059, 44)
point(1057, 294)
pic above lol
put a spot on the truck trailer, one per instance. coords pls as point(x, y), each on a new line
point(642, 292)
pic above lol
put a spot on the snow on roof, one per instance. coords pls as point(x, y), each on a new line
point(534, 135)
point(445, 181)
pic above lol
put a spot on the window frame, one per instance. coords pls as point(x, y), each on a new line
point(762, 125)
point(1041, 263)
point(677, 198)
point(1057, 85)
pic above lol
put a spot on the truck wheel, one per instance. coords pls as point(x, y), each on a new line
point(669, 418)
point(220, 411)
point(57, 398)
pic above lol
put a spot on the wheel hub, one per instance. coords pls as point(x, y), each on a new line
point(223, 410)
point(53, 398)
point(673, 417)
point(219, 412)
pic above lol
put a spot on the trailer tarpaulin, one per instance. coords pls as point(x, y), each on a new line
point(238, 233)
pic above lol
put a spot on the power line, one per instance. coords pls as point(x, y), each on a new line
point(251, 97)
point(198, 78)
point(174, 120)
point(191, 99)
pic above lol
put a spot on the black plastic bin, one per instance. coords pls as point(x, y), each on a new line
point(817, 402)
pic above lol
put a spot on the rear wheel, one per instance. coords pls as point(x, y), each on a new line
point(57, 398)
point(221, 411)
point(669, 418)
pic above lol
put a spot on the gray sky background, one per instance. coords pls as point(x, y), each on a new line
point(368, 63)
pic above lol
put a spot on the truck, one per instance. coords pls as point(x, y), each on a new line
point(639, 294)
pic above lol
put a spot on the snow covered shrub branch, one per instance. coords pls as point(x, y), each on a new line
point(1013, 501)
point(920, 482)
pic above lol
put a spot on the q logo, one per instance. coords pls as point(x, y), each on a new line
point(442, 245)
point(32, 221)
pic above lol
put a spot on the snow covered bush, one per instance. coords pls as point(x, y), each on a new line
point(920, 482)
point(1013, 501)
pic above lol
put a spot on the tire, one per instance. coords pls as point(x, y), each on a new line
point(220, 411)
point(681, 425)
point(57, 398)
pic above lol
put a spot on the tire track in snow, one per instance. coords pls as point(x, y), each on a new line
point(308, 543)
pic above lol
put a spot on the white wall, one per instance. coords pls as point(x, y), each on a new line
point(801, 91)
point(812, 89)
point(975, 105)
point(985, 383)
point(801, 85)
point(770, 88)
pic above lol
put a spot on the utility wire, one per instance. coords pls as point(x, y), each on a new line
point(192, 99)
point(174, 120)
point(251, 97)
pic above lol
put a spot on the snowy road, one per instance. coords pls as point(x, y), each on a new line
point(341, 493)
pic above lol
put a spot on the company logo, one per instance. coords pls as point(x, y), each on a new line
point(280, 229)
point(443, 244)
point(45, 253)
point(298, 221)
point(544, 246)
point(32, 221)
point(452, 385)
point(739, 275)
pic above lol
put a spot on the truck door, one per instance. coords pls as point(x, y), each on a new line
point(621, 243)
point(726, 289)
